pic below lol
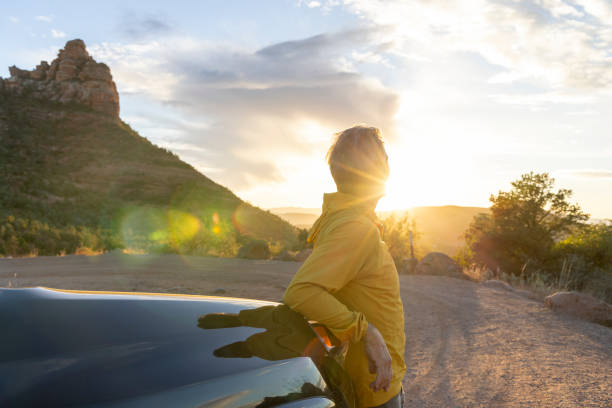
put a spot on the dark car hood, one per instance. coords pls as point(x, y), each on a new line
point(62, 348)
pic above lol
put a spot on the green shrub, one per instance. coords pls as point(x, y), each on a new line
point(588, 252)
point(24, 237)
point(593, 243)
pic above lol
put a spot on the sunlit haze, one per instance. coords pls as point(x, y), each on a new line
point(469, 94)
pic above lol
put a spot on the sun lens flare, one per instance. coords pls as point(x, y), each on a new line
point(140, 226)
point(216, 229)
point(182, 227)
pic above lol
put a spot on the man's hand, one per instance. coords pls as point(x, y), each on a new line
point(378, 358)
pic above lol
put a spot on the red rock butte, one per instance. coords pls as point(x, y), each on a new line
point(74, 76)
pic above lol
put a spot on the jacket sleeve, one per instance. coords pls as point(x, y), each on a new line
point(334, 262)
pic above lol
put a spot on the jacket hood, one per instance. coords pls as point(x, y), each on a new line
point(338, 205)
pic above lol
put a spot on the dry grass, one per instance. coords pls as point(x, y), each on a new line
point(535, 282)
point(88, 251)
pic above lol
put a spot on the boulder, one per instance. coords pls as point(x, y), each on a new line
point(437, 263)
point(497, 284)
point(285, 255)
point(581, 305)
point(255, 249)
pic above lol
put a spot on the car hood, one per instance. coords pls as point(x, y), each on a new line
point(63, 348)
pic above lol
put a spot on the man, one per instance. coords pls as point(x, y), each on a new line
point(349, 283)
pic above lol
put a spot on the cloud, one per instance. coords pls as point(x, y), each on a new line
point(543, 100)
point(592, 174)
point(136, 26)
point(13, 19)
point(46, 19)
point(256, 103)
point(553, 42)
point(598, 9)
point(57, 34)
point(313, 4)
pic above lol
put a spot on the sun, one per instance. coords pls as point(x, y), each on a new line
point(423, 174)
point(431, 158)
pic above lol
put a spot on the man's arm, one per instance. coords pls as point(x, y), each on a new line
point(331, 266)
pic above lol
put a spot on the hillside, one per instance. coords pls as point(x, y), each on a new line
point(438, 228)
point(69, 165)
point(441, 228)
point(299, 219)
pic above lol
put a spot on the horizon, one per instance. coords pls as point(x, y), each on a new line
point(461, 119)
point(397, 209)
point(291, 210)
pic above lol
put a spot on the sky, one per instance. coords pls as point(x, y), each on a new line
point(469, 95)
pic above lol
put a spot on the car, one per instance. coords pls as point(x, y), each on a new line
point(63, 348)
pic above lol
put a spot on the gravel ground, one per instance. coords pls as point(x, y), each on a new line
point(467, 345)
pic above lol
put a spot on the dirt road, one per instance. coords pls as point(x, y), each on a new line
point(467, 345)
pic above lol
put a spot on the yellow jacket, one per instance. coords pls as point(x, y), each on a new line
point(349, 280)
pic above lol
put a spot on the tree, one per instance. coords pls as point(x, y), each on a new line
point(523, 225)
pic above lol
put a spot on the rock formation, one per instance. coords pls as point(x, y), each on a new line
point(74, 76)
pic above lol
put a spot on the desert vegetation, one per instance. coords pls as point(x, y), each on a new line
point(74, 180)
point(535, 237)
point(401, 235)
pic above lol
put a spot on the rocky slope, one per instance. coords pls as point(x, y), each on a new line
point(68, 161)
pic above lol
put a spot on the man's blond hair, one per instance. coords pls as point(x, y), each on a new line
point(357, 159)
